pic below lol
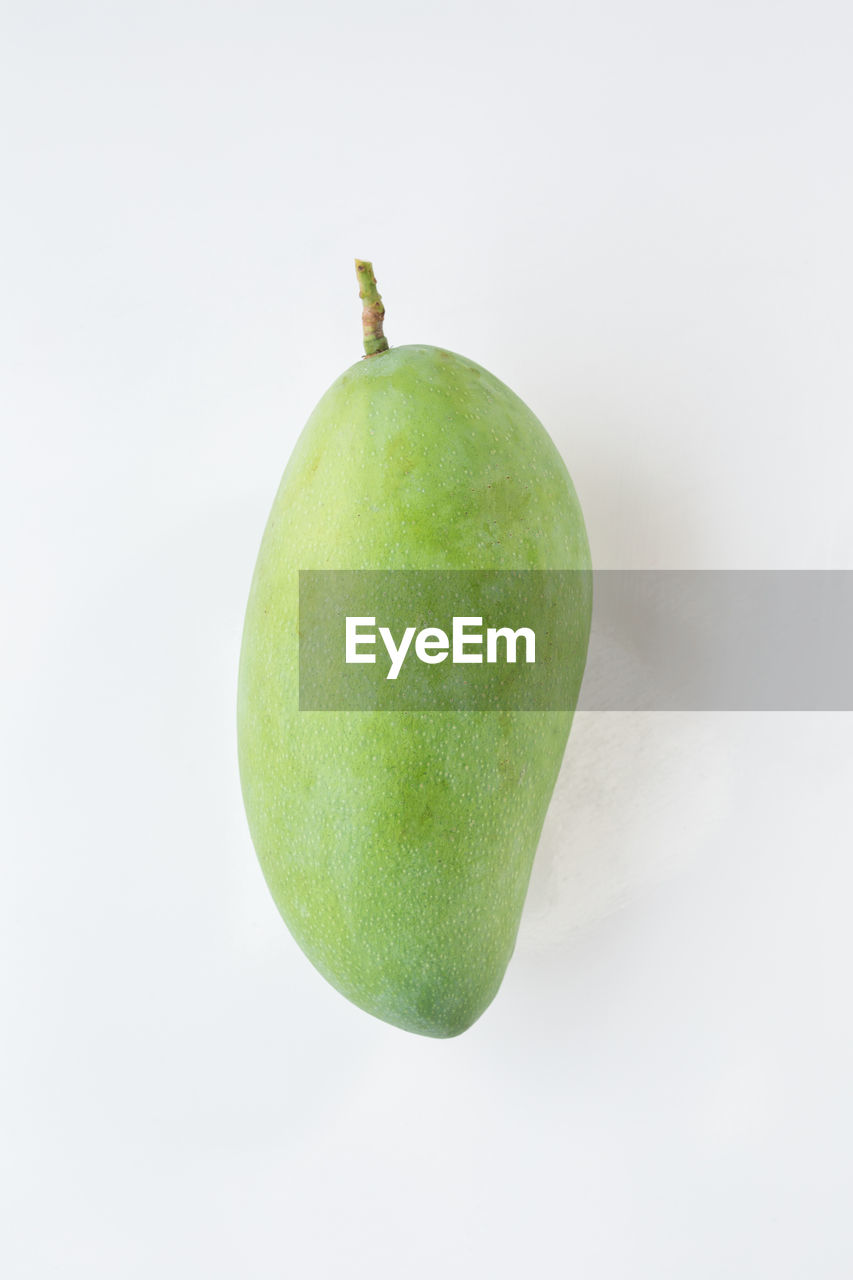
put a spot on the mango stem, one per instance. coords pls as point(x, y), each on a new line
point(373, 311)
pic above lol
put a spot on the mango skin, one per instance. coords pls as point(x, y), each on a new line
point(398, 845)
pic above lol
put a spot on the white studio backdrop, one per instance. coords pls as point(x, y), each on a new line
point(639, 217)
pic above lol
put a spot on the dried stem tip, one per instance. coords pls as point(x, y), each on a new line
point(373, 311)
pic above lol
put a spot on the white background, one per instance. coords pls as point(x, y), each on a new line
point(637, 215)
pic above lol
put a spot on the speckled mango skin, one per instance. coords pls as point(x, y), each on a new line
point(398, 845)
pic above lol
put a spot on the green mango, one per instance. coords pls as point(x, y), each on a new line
point(398, 844)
